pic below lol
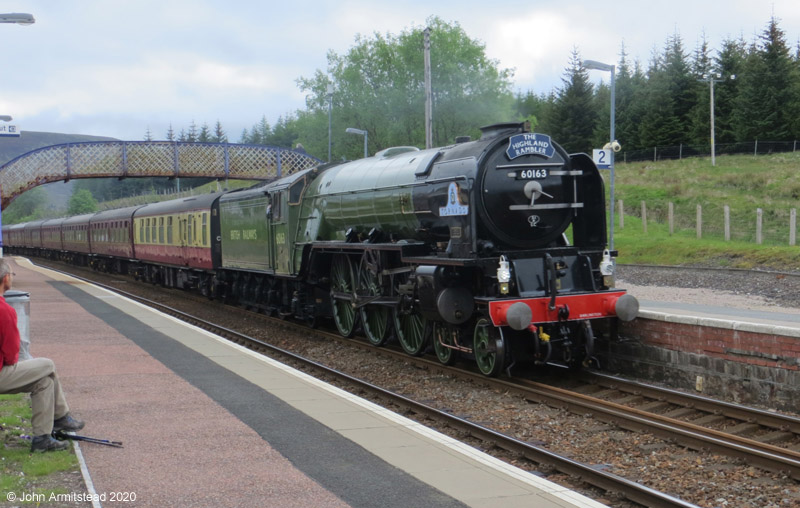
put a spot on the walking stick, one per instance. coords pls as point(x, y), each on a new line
point(61, 436)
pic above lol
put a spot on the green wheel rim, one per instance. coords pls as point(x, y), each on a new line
point(489, 348)
point(412, 332)
point(412, 328)
point(443, 336)
point(374, 318)
point(344, 315)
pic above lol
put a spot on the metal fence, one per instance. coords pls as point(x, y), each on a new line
point(683, 151)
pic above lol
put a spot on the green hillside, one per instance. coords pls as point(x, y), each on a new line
point(744, 183)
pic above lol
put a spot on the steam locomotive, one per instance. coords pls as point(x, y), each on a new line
point(493, 249)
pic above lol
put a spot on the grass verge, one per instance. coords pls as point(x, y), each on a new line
point(658, 247)
point(26, 473)
point(741, 182)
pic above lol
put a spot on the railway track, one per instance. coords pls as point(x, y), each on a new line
point(697, 434)
point(768, 440)
point(759, 438)
point(587, 473)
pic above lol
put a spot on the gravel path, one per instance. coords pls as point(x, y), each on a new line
point(738, 289)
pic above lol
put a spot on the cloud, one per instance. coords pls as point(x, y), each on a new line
point(128, 64)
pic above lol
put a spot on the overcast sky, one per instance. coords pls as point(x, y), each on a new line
point(116, 67)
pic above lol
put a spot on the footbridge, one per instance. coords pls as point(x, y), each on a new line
point(132, 159)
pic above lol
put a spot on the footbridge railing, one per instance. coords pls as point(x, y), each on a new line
point(132, 159)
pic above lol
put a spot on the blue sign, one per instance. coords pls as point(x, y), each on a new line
point(454, 205)
point(530, 143)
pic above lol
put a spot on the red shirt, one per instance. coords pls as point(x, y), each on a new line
point(9, 334)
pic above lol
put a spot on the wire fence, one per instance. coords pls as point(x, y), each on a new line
point(658, 153)
point(737, 222)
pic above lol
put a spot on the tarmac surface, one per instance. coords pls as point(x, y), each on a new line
point(208, 423)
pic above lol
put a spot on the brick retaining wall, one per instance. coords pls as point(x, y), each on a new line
point(748, 362)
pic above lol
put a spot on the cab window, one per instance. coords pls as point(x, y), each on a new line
point(277, 207)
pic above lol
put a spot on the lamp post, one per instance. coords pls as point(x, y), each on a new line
point(595, 65)
point(330, 107)
point(351, 130)
point(16, 18)
point(711, 82)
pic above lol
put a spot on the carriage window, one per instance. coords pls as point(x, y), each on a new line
point(205, 226)
point(161, 230)
point(169, 230)
point(141, 230)
point(191, 229)
point(147, 231)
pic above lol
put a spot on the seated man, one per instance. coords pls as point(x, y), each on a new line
point(37, 377)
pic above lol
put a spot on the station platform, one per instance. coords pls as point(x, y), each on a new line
point(764, 320)
point(208, 423)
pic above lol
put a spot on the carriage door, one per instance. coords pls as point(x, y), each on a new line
point(182, 236)
point(279, 245)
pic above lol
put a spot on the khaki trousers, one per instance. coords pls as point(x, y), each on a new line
point(37, 377)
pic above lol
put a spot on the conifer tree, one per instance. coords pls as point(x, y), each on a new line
point(205, 134)
point(659, 125)
point(573, 117)
point(219, 134)
point(728, 65)
point(630, 92)
point(530, 107)
point(776, 83)
point(750, 114)
point(702, 70)
point(681, 86)
point(191, 135)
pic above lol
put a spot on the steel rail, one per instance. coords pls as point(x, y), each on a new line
point(601, 479)
point(747, 414)
point(767, 456)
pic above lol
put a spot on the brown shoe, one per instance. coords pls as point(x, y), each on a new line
point(45, 443)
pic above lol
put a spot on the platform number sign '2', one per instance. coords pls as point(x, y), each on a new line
point(602, 158)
